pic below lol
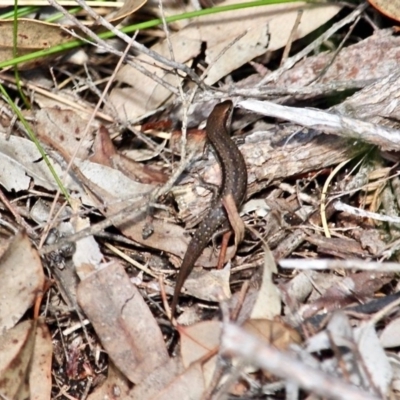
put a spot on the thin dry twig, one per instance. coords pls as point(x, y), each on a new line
point(138, 46)
point(340, 125)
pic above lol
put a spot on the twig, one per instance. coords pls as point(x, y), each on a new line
point(108, 47)
point(328, 264)
point(238, 343)
point(386, 138)
point(138, 46)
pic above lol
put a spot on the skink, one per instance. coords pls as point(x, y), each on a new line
point(234, 183)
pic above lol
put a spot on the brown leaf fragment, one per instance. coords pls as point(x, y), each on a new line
point(198, 341)
point(16, 348)
point(40, 368)
point(208, 285)
point(390, 8)
point(123, 322)
point(159, 380)
point(129, 7)
point(276, 333)
point(188, 385)
point(106, 154)
point(63, 131)
point(21, 277)
point(195, 141)
point(32, 35)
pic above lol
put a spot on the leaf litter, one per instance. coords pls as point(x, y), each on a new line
point(300, 308)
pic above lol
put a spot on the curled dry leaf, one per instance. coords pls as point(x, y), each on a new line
point(21, 277)
point(106, 154)
point(391, 8)
point(128, 8)
point(268, 301)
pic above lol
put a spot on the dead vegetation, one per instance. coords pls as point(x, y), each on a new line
point(306, 306)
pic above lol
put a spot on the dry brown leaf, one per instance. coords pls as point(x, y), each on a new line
point(268, 301)
point(276, 333)
point(16, 349)
point(40, 368)
point(21, 277)
point(106, 154)
point(198, 341)
point(129, 7)
point(64, 129)
point(209, 285)
point(391, 8)
point(32, 36)
point(217, 31)
point(123, 322)
point(159, 380)
point(188, 385)
point(25, 360)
